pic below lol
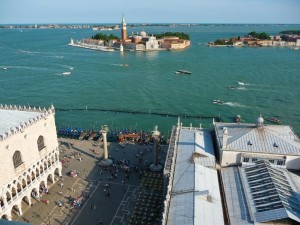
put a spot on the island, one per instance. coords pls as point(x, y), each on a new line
point(135, 42)
point(283, 39)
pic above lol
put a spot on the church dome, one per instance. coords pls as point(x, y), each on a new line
point(260, 120)
point(143, 34)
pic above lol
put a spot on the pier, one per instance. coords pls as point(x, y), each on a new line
point(128, 111)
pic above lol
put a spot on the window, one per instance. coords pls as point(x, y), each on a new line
point(280, 162)
point(246, 160)
point(271, 161)
point(254, 159)
point(40, 143)
point(17, 159)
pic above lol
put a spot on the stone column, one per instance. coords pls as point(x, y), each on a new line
point(155, 166)
point(105, 151)
point(106, 161)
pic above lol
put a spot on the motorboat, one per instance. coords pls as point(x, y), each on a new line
point(274, 120)
point(241, 83)
point(4, 68)
point(231, 87)
point(217, 102)
point(183, 72)
point(66, 73)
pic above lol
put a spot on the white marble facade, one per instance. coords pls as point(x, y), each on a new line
point(29, 157)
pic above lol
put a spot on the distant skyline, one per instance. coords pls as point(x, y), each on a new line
point(167, 11)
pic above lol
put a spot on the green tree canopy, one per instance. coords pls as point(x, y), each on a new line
point(181, 35)
point(104, 37)
point(222, 42)
point(261, 36)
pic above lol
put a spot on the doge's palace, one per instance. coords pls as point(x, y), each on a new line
point(29, 157)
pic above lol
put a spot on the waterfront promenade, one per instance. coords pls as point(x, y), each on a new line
point(109, 195)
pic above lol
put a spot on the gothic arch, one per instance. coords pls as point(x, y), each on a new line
point(15, 211)
point(17, 159)
point(24, 184)
point(4, 217)
point(32, 176)
point(13, 191)
point(8, 196)
point(40, 143)
point(50, 178)
point(28, 179)
point(41, 168)
point(37, 172)
point(19, 187)
point(1, 201)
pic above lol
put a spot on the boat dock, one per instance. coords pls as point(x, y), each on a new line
point(92, 47)
point(128, 111)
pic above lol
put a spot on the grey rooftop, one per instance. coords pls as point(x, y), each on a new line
point(268, 139)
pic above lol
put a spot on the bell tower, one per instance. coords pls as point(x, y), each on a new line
point(124, 30)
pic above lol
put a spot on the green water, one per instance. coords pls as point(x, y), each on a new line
point(36, 59)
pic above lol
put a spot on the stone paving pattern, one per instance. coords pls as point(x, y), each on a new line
point(133, 199)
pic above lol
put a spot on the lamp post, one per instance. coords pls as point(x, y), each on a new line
point(155, 166)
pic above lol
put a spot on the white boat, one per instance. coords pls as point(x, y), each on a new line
point(217, 101)
point(183, 72)
point(241, 83)
point(4, 68)
point(66, 73)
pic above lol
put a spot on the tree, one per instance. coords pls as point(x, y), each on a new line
point(180, 35)
point(104, 37)
point(261, 36)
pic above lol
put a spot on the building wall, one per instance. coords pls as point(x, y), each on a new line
point(293, 162)
point(38, 167)
point(26, 143)
point(230, 158)
point(152, 43)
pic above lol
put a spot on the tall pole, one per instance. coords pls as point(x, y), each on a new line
point(105, 151)
point(106, 161)
point(155, 166)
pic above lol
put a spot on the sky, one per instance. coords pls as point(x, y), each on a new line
point(155, 11)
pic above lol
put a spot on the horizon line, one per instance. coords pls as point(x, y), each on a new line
point(134, 23)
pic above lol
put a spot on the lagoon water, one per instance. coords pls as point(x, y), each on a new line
point(37, 58)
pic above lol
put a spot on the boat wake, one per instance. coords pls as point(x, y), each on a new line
point(120, 65)
point(234, 104)
point(28, 52)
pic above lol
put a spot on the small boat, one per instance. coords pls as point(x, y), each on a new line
point(274, 120)
point(231, 87)
point(183, 72)
point(4, 68)
point(238, 119)
point(66, 73)
point(217, 102)
point(241, 83)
